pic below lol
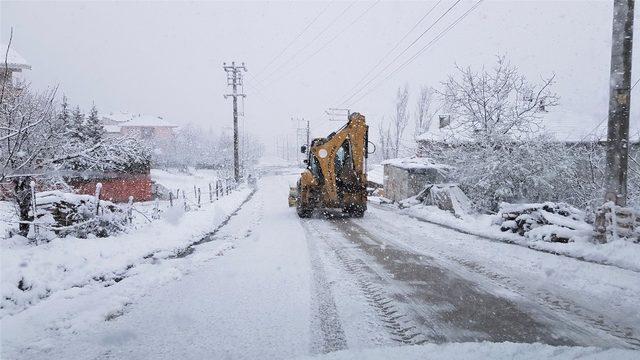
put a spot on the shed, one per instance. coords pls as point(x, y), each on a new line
point(407, 177)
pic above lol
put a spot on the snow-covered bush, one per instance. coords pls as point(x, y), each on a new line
point(78, 215)
point(551, 222)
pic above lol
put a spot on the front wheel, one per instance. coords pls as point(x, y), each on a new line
point(304, 212)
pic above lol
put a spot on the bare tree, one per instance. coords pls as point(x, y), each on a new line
point(401, 118)
point(425, 110)
point(496, 103)
point(386, 140)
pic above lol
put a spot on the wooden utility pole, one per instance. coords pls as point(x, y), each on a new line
point(619, 102)
point(234, 79)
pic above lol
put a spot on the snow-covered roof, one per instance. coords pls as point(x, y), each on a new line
point(122, 119)
point(15, 61)
point(112, 128)
point(416, 163)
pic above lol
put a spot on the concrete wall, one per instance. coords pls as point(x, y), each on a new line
point(400, 184)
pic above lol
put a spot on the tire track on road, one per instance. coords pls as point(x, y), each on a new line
point(401, 328)
point(327, 321)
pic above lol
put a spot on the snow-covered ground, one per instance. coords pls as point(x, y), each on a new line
point(620, 253)
point(269, 285)
point(173, 179)
point(32, 273)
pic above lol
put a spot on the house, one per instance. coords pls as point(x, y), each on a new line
point(155, 131)
point(142, 127)
point(15, 63)
point(407, 177)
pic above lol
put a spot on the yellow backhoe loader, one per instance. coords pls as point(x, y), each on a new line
point(335, 176)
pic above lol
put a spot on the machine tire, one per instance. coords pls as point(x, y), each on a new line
point(354, 211)
point(304, 213)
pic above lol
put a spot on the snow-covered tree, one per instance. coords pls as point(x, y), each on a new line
point(76, 127)
point(94, 130)
point(36, 144)
point(496, 103)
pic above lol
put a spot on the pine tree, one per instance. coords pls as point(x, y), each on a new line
point(64, 115)
point(94, 129)
point(77, 127)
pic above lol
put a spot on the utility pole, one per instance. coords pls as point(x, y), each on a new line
point(617, 221)
point(619, 102)
point(234, 79)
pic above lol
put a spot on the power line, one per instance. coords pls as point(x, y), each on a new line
point(601, 122)
point(294, 39)
point(401, 53)
point(323, 46)
point(268, 76)
point(393, 48)
point(422, 50)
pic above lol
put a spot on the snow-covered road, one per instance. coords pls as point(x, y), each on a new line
point(269, 285)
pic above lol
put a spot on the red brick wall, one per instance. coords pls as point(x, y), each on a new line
point(117, 189)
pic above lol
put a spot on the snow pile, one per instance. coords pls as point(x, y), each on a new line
point(446, 197)
point(552, 222)
point(32, 273)
point(418, 164)
point(619, 253)
point(483, 350)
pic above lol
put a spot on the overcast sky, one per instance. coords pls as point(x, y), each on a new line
point(165, 58)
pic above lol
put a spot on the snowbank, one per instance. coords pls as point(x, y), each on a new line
point(620, 253)
point(32, 273)
point(483, 350)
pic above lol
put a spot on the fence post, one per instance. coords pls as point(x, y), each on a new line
point(228, 186)
point(199, 198)
point(184, 201)
point(33, 207)
point(130, 210)
point(156, 209)
point(98, 188)
point(170, 199)
point(210, 194)
point(195, 193)
point(217, 189)
point(177, 194)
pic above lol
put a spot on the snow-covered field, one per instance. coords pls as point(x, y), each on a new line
point(267, 284)
point(173, 179)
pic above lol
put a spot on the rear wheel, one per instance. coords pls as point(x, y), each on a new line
point(354, 210)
